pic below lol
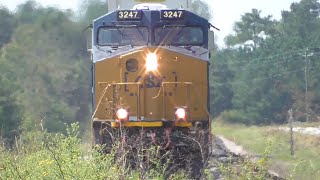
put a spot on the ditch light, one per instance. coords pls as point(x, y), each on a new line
point(122, 114)
point(181, 113)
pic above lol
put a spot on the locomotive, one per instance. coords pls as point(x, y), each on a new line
point(150, 78)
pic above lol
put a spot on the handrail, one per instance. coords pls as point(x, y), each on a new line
point(163, 87)
point(125, 83)
point(188, 83)
point(163, 95)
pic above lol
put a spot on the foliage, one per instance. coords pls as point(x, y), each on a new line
point(7, 25)
point(234, 116)
point(10, 111)
point(249, 28)
point(221, 93)
point(46, 61)
point(92, 9)
point(42, 155)
point(201, 8)
point(269, 67)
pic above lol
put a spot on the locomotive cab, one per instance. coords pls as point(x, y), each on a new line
point(150, 76)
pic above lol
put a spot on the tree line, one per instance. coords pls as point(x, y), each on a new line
point(45, 68)
point(269, 67)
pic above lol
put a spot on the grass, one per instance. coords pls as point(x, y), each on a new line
point(305, 164)
point(41, 155)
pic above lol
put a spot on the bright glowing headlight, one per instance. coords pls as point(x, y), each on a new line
point(181, 113)
point(151, 62)
point(122, 114)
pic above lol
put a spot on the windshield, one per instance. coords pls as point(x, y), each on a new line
point(121, 36)
point(179, 35)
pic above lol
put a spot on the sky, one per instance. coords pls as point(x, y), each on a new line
point(224, 12)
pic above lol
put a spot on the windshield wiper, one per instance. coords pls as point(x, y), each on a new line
point(121, 33)
point(113, 48)
point(176, 35)
point(103, 50)
point(121, 46)
point(189, 48)
point(139, 30)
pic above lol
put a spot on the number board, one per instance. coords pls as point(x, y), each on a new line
point(172, 14)
point(127, 15)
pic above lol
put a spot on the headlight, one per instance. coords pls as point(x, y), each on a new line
point(151, 62)
point(122, 114)
point(181, 113)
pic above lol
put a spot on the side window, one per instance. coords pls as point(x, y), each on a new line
point(109, 37)
point(104, 36)
point(191, 35)
point(89, 39)
point(120, 36)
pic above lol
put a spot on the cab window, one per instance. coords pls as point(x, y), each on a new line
point(120, 36)
point(179, 35)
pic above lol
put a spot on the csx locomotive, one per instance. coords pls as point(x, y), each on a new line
point(150, 77)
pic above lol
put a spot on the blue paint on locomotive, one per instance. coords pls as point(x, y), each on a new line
point(152, 19)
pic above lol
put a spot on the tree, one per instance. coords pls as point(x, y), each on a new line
point(92, 10)
point(47, 60)
point(251, 27)
point(10, 111)
point(28, 12)
point(221, 77)
point(271, 76)
point(201, 8)
point(7, 25)
point(299, 24)
point(297, 32)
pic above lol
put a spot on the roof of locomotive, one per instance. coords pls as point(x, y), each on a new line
point(151, 17)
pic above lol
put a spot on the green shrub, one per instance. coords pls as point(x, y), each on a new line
point(43, 155)
point(238, 116)
point(233, 116)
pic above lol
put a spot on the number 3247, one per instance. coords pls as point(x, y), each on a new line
point(172, 14)
point(127, 14)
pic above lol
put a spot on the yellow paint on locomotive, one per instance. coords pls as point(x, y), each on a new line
point(180, 80)
point(137, 124)
point(148, 124)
